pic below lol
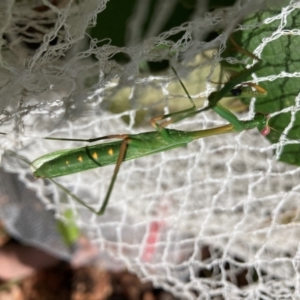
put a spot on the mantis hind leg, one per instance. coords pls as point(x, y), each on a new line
point(121, 157)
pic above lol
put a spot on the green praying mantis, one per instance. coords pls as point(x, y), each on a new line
point(133, 146)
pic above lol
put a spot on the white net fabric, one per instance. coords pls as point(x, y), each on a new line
point(218, 219)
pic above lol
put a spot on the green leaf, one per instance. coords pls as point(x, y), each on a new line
point(278, 56)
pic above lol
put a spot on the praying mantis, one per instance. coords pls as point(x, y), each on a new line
point(133, 146)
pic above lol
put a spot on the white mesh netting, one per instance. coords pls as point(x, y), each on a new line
point(218, 219)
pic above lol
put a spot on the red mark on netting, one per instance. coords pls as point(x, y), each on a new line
point(152, 240)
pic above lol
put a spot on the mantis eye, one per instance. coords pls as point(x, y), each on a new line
point(236, 92)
